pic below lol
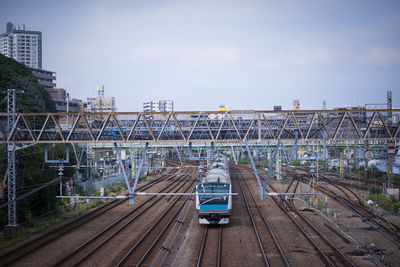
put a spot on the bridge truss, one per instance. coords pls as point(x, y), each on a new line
point(202, 126)
point(18, 130)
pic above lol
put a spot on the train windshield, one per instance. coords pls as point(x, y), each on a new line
point(213, 199)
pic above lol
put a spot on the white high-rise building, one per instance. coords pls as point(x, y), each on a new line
point(158, 106)
point(22, 45)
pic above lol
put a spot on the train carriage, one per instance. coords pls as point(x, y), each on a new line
point(214, 208)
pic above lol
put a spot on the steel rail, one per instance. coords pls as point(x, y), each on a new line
point(43, 240)
point(109, 227)
point(152, 246)
point(203, 246)
point(253, 223)
point(378, 227)
point(179, 222)
point(203, 242)
point(295, 188)
point(282, 254)
point(334, 184)
point(153, 226)
point(324, 256)
point(340, 185)
point(117, 231)
point(290, 184)
point(336, 250)
point(180, 209)
point(219, 246)
point(347, 177)
point(200, 257)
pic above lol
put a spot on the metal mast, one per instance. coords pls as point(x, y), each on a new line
point(12, 174)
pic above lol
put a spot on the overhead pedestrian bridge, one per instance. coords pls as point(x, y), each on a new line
point(201, 126)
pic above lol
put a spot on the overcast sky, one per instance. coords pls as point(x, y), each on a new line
point(200, 54)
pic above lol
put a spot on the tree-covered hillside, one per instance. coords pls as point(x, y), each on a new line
point(31, 170)
point(14, 75)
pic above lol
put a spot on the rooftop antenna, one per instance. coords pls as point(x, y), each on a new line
point(389, 103)
point(100, 90)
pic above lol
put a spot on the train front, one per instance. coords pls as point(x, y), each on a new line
point(214, 208)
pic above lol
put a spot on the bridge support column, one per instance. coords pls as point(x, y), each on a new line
point(278, 145)
point(262, 192)
point(131, 190)
point(234, 155)
point(179, 156)
point(262, 187)
point(142, 160)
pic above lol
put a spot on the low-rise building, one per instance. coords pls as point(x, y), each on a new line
point(102, 103)
point(46, 78)
point(64, 103)
point(158, 106)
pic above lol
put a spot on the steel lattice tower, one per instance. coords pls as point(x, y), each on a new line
point(12, 205)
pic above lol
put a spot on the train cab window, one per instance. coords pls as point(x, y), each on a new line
point(213, 188)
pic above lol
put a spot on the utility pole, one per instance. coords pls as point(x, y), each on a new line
point(278, 164)
point(341, 166)
point(389, 105)
point(12, 173)
point(391, 152)
point(366, 163)
point(89, 161)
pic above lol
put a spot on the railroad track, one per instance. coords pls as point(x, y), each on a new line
point(306, 173)
point(331, 255)
point(358, 203)
point(377, 223)
point(371, 219)
point(261, 225)
point(353, 199)
point(87, 249)
point(296, 183)
point(343, 188)
point(327, 251)
point(365, 181)
point(43, 240)
point(140, 249)
point(167, 247)
point(211, 247)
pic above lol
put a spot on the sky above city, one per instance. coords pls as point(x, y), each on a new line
point(200, 54)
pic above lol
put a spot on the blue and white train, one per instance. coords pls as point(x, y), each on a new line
point(214, 208)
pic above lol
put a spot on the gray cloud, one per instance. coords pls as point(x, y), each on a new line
point(245, 54)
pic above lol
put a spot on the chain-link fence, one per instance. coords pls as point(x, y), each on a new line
point(105, 182)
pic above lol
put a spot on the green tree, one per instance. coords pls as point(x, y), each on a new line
point(14, 75)
point(31, 170)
